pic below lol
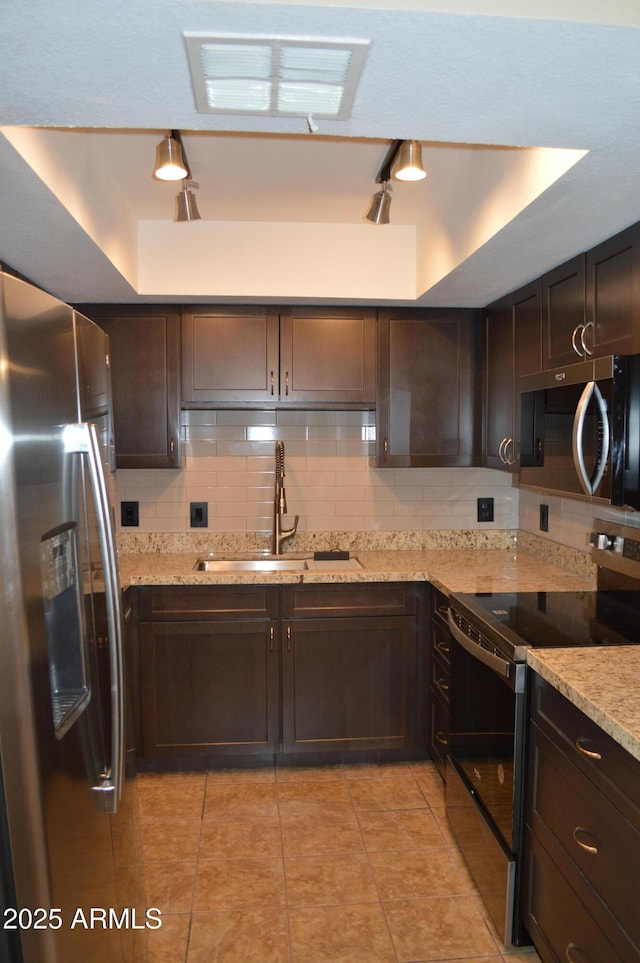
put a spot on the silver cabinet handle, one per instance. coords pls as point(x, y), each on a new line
point(579, 328)
point(443, 685)
point(82, 439)
point(442, 647)
point(288, 638)
point(589, 753)
point(507, 458)
point(272, 383)
point(583, 337)
point(286, 382)
point(571, 950)
point(272, 637)
point(441, 738)
point(588, 847)
point(501, 447)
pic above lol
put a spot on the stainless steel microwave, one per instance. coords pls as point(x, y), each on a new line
point(580, 430)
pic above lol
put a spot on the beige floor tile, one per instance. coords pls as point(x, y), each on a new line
point(431, 784)
point(168, 837)
point(301, 796)
point(438, 929)
point(322, 880)
point(228, 838)
point(328, 830)
point(375, 770)
point(261, 774)
point(241, 799)
point(236, 883)
point(240, 936)
point(310, 773)
point(168, 944)
point(175, 794)
point(399, 829)
point(170, 885)
point(418, 874)
point(399, 792)
point(524, 954)
point(340, 934)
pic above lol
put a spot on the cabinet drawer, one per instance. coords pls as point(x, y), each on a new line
point(441, 643)
point(592, 832)
point(439, 607)
point(340, 600)
point(218, 603)
point(439, 677)
point(600, 758)
point(558, 922)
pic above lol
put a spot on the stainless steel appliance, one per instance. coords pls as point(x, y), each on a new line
point(486, 762)
point(68, 829)
point(580, 430)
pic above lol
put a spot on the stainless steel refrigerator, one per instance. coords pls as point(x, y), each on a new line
point(68, 819)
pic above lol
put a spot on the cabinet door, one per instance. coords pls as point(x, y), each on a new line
point(613, 294)
point(209, 688)
point(429, 380)
point(327, 356)
point(499, 383)
point(144, 350)
point(230, 356)
point(349, 684)
point(563, 293)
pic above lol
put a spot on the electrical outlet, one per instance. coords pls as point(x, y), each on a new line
point(129, 514)
point(199, 514)
point(544, 518)
point(485, 509)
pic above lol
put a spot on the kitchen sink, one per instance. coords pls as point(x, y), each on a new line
point(256, 564)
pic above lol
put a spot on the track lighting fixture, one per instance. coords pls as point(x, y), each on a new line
point(378, 213)
point(186, 207)
point(170, 164)
point(409, 166)
point(405, 158)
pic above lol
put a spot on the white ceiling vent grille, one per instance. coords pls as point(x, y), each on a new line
point(275, 76)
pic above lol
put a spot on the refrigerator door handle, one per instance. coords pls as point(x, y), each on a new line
point(82, 439)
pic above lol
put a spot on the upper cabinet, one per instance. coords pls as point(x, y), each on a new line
point(261, 356)
point(513, 347)
point(592, 303)
point(428, 400)
point(144, 350)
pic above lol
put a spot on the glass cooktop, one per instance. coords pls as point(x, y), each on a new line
point(556, 619)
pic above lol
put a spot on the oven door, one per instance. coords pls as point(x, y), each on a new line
point(485, 774)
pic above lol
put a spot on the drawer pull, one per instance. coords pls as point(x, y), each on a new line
point(574, 954)
point(589, 753)
point(288, 638)
point(442, 685)
point(443, 610)
point(588, 847)
point(272, 636)
point(442, 647)
point(442, 738)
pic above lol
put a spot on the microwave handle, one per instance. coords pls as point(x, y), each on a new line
point(590, 485)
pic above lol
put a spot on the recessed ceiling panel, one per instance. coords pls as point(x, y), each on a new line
point(275, 76)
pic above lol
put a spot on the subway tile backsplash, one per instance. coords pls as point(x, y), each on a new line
point(228, 462)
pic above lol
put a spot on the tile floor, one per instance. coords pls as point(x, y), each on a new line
point(342, 864)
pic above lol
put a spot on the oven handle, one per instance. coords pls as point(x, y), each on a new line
point(501, 666)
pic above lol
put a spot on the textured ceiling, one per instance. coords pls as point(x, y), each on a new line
point(449, 79)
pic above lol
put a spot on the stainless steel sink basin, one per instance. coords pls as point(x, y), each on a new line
point(257, 564)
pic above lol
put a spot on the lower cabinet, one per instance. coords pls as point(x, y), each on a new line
point(233, 670)
point(582, 847)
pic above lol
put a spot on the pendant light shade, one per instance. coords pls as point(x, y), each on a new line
point(378, 213)
point(409, 167)
point(186, 207)
point(170, 164)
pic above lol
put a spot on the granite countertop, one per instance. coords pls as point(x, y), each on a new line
point(450, 570)
point(601, 682)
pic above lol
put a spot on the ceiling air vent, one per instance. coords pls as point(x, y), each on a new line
point(275, 76)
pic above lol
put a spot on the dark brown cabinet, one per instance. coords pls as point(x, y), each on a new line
point(145, 369)
point(209, 670)
point(243, 670)
point(513, 345)
point(289, 357)
point(592, 302)
point(429, 388)
point(349, 667)
point(582, 843)
point(439, 669)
